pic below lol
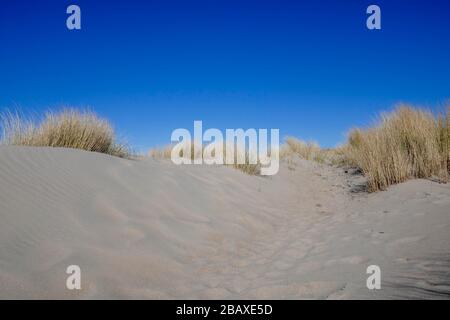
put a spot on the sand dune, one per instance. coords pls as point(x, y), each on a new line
point(150, 229)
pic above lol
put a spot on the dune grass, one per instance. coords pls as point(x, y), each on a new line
point(161, 152)
point(68, 128)
point(406, 143)
point(311, 151)
point(305, 150)
point(247, 167)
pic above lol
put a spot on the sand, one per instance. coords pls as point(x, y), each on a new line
point(147, 229)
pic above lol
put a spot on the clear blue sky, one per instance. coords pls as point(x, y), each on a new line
point(310, 68)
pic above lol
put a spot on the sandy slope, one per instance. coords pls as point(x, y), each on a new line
point(148, 229)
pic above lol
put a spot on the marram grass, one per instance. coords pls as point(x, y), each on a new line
point(68, 128)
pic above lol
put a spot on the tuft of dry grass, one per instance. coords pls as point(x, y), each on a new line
point(246, 167)
point(166, 151)
point(68, 128)
point(406, 143)
point(161, 153)
point(334, 156)
point(444, 137)
point(249, 167)
point(305, 150)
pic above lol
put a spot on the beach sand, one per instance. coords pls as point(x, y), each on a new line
point(148, 229)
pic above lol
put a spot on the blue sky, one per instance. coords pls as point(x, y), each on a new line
point(310, 68)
